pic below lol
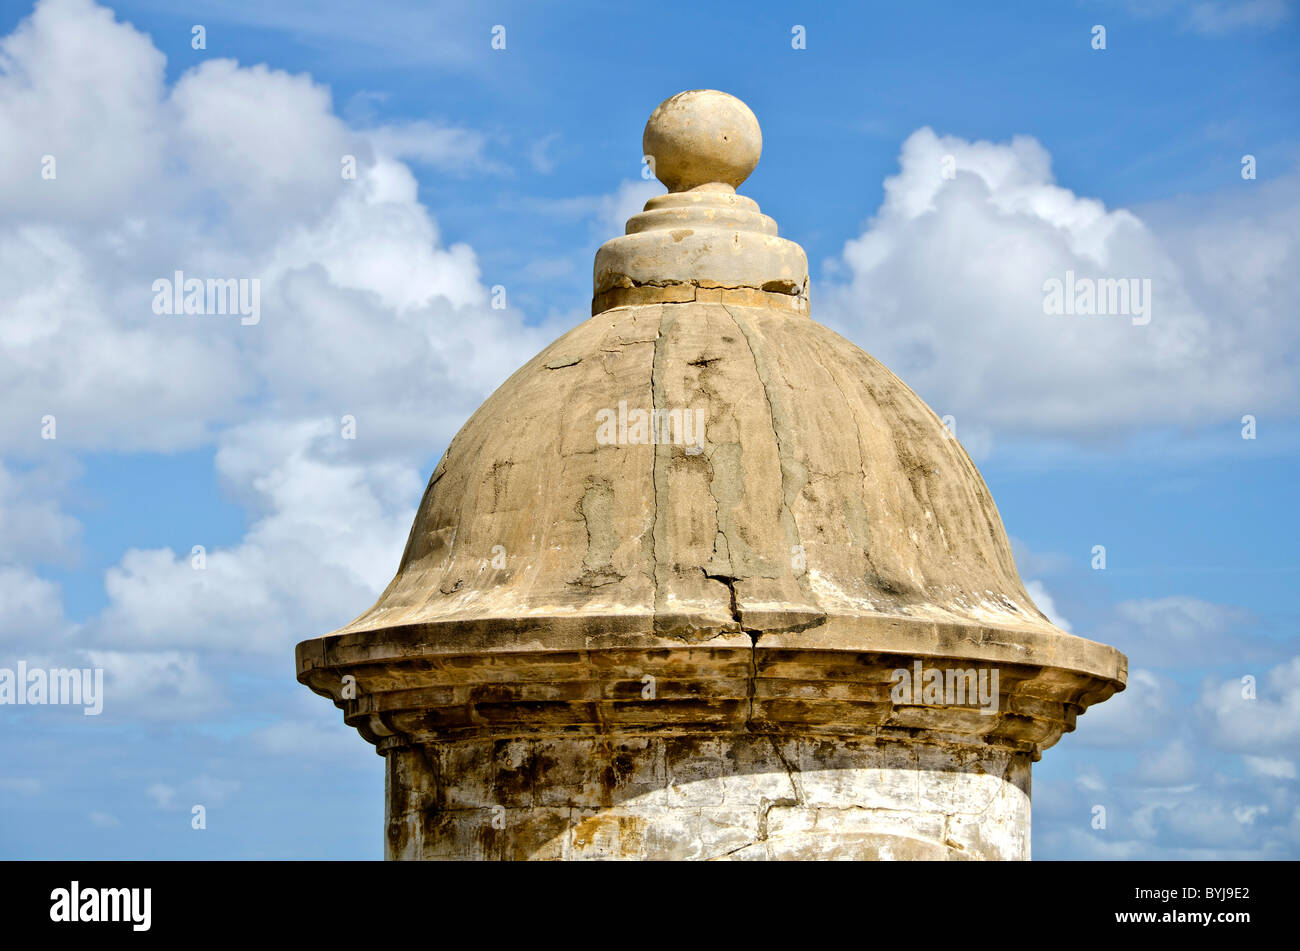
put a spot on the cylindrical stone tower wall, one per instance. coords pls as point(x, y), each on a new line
point(705, 797)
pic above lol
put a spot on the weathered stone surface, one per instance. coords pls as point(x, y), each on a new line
point(705, 797)
point(421, 694)
point(688, 645)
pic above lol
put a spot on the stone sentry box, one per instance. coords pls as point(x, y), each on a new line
point(644, 647)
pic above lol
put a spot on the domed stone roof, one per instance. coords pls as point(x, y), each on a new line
point(800, 487)
point(821, 488)
point(701, 464)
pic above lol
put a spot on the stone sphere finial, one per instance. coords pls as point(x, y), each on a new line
point(702, 137)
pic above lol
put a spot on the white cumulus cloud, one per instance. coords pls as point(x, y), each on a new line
point(948, 283)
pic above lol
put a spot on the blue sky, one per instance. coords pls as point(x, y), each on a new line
point(482, 167)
